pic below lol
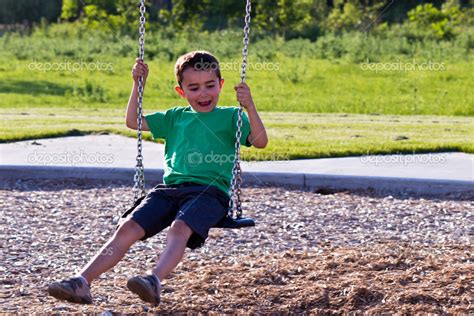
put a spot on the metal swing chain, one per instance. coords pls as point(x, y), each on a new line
point(235, 202)
point(139, 178)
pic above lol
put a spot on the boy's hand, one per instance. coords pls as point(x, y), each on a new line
point(140, 69)
point(244, 96)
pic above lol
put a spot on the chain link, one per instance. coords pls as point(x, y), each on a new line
point(139, 178)
point(235, 202)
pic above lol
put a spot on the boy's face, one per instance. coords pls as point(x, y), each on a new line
point(201, 88)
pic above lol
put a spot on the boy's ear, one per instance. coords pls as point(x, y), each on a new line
point(180, 91)
point(221, 84)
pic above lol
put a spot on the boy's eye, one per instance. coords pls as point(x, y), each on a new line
point(193, 89)
point(211, 86)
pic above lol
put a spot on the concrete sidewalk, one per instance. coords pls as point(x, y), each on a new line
point(113, 157)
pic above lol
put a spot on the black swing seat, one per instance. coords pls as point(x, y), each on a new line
point(226, 222)
point(229, 222)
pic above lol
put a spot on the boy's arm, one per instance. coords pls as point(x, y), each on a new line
point(258, 134)
point(139, 69)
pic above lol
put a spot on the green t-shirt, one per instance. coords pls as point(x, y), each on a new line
point(199, 146)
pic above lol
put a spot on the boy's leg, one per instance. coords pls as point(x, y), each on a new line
point(176, 240)
point(113, 251)
point(75, 290)
point(149, 287)
point(200, 208)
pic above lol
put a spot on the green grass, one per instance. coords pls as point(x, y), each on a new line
point(311, 107)
point(292, 135)
point(299, 85)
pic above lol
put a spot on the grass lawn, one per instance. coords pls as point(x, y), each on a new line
point(311, 108)
point(292, 135)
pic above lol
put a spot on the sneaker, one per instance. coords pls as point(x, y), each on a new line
point(147, 288)
point(73, 290)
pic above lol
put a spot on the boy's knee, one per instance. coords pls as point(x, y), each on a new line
point(130, 229)
point(180, 229)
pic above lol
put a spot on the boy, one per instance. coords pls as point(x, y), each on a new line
point(199, 154)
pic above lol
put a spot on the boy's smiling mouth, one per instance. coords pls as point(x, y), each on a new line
point(204, 103)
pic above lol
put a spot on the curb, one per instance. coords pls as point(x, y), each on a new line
point(309, 181)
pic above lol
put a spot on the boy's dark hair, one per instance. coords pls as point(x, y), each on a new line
point(199, 60)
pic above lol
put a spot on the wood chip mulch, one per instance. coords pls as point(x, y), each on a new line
point(311, 252)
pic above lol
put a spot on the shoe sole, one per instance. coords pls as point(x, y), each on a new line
point(61, 294)
point(139, 287)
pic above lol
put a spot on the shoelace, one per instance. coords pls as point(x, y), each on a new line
point(153, 282)
point(75, 283)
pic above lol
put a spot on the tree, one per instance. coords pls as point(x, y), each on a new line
point(109, 15)
point(286, 18)
point(28, 11)
point(354, 15)
point(428, 20)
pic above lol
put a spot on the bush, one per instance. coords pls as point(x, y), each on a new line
point(72, 41)
point(427, 21)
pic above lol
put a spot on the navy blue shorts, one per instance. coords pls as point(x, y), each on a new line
point(199, 206)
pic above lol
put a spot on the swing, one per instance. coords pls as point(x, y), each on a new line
point(235, 204)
